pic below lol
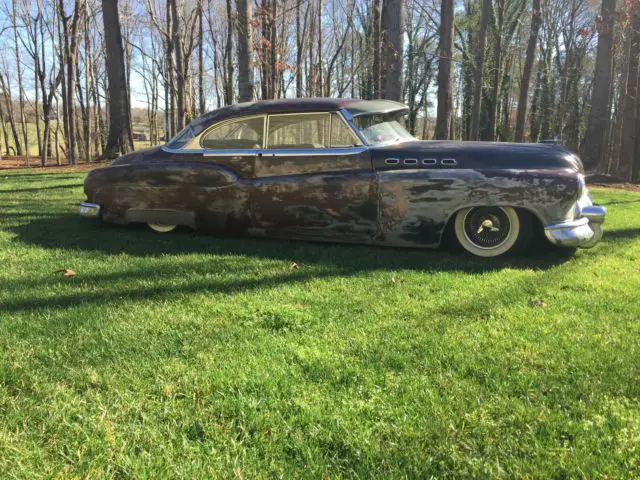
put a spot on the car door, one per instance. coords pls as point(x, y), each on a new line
point(314, 180)
point(229, 151)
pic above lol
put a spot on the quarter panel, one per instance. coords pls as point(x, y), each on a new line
point(212, 192)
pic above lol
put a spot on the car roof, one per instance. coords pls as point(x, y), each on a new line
point(295, 105)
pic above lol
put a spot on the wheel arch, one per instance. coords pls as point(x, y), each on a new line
point(446, 235)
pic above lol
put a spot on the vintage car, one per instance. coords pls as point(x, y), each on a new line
point(347, 171)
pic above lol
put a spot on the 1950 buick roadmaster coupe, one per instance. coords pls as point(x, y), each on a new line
point(347, 171)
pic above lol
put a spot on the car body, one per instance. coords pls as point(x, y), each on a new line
point(346, 171)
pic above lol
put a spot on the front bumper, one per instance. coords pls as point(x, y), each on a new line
point(583, 232)
point(88, 209)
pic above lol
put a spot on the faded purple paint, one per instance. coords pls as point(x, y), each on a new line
point(351, 197)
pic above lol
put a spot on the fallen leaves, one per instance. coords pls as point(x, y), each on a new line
point(536, 302)
point(67, 272)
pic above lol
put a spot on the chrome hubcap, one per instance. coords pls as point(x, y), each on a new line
point(487, 227)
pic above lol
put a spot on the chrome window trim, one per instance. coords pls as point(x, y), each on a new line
point(312, 152)
point(265, 152)
point(358, 141)
point(356, 138)
point(348, 118)
point(359, 146)
point(197, 140)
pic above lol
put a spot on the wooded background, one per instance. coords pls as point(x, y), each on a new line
point(498, 70)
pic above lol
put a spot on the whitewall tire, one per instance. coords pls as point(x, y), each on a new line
point(161, 227)
point(487, 231)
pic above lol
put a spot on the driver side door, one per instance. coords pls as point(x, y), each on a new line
point(314, 180)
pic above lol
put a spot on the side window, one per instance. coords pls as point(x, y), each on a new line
point(243, 134)
point(341, 135)
point(305, 130)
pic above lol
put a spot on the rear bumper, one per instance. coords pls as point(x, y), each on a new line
point(583, 232)
point(88, 209)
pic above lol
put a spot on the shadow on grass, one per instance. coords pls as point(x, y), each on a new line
point(103, 295)
point(76, 233)
point(622, 233)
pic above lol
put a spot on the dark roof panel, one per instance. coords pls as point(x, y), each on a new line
point(364, 107)
point(284, 105)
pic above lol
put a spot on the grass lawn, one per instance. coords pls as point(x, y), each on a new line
point(184, 355)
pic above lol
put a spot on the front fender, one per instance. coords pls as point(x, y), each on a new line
point(415, 205)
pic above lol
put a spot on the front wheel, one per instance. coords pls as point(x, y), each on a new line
point(487, 231)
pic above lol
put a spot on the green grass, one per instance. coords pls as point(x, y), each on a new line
point(183, 355)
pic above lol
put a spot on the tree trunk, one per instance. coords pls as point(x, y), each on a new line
point(202, 104)
point(595, 144)
point(630, 114)
point(376, 46)
point(5, 136)
point(299, 49)
point(23, 122)
point(6, 93)
point(445, 95)
point(526, 72)
point(179, 67)
point(228, 91)
point(119, 139)
point(319, 72)
point(478, 72)
point(393, 48)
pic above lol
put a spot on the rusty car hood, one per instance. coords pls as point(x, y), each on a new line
point(480, 155)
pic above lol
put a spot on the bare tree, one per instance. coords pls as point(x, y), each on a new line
point(445, 91)
point(599, 116)
point(21, 94)
point(393, 22)
point(528, 68)
point(119, 139)
point(630, 113)
point(478, 73)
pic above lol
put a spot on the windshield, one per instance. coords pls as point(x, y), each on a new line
point(382, 127)
point(181, 138)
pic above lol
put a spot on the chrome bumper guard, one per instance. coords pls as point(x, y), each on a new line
point(88, 209)
point(583, 232)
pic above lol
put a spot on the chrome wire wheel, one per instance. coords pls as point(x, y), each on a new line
point(487, 231)
point(161, 227)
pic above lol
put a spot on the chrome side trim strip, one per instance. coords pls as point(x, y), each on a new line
point(288, 152)
point(313, 152)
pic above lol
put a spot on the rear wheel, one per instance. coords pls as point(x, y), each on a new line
point(487, 231)
point(161, 227)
